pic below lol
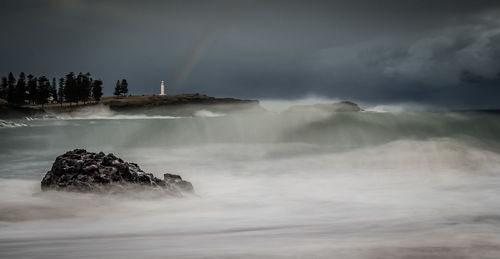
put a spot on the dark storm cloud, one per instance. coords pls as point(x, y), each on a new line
point(432, 52)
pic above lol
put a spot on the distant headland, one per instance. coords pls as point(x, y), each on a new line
point(181, 104)
point(32, 96)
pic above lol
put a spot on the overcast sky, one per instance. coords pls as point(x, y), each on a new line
point(443, 53)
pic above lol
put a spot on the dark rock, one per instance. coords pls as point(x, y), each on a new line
point(82, 171)
point(175, 181)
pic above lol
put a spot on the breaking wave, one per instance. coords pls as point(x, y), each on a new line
point(207, 113)
point(103, 112)
point(11, 124)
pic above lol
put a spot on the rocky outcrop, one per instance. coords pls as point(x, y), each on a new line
point(179, 105)
point(170, 100)
point(82, 171)
point(11, 111)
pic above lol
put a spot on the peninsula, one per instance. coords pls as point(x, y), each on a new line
point(183, 104)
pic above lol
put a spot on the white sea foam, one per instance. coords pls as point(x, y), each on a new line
point(119, 117)
point(103, 112)
point(11, 124)
point(399, 108)
point(207, 113)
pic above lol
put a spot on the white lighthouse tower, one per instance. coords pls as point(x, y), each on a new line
point(162, 88)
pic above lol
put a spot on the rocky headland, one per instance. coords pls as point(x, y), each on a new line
point(178, 105)
point(174, 105)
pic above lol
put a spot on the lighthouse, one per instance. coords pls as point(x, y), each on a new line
point(162, 88)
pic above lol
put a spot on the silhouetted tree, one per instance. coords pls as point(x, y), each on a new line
point(3, 88)
point(60, 92)
point(53, 90)
point(70, 91)
point(118, 88)
point(78, 88)
point(43, 90)
point(20, 91)
point(11, 87)
point(32, 89)
point(97, 90)
point(84, 87)
point(124, 87)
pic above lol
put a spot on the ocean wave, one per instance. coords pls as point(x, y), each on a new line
point(207, 114)
point(117, 117)
point(103, 112)
point(11, 124)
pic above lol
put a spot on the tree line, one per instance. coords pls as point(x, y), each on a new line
point(39, 90)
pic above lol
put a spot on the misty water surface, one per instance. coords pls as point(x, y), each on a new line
point(268, 185)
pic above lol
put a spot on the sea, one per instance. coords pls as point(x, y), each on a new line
point(397, 183)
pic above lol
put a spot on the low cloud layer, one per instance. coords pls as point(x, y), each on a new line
point(449, 63)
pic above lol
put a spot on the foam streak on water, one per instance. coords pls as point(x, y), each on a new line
point(362, 185)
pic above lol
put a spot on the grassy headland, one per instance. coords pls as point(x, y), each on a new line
point(138, 103)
